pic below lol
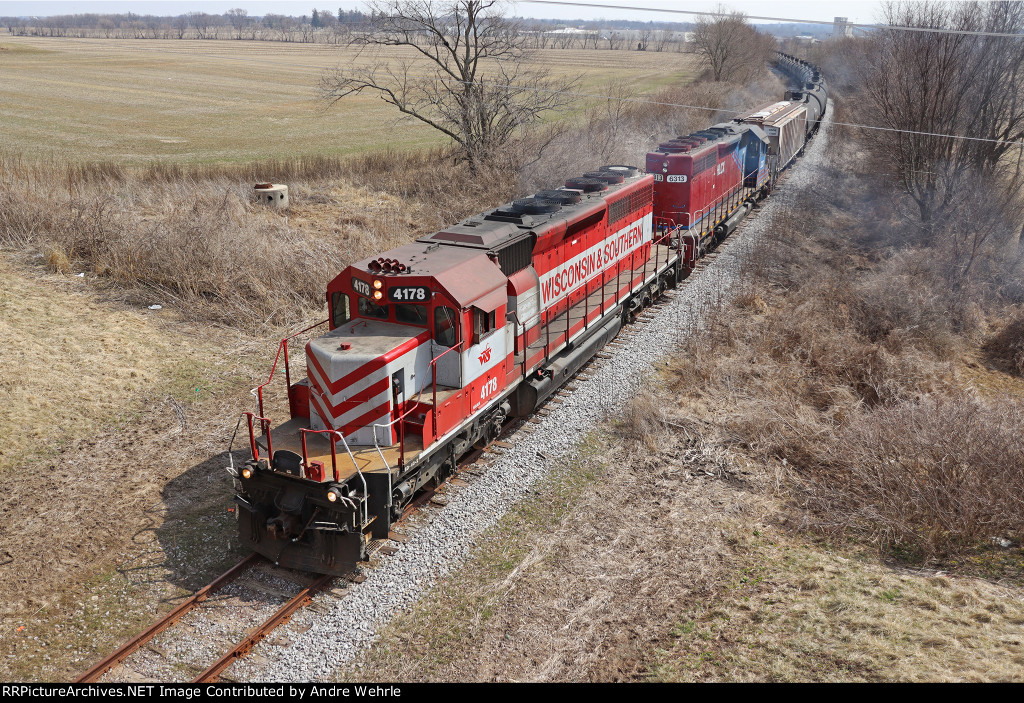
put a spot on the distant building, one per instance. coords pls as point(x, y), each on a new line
point(841, 28)
point(567, 30)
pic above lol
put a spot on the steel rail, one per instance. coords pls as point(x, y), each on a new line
point(133, 645)
point(279, 618)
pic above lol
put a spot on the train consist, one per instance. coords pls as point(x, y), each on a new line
point(432, 346)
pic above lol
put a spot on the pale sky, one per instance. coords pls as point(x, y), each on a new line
point(859, 11)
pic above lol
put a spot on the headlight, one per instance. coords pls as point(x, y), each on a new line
point(378, 284)
point(377, 295)
point(247, 472)
point(334, 494)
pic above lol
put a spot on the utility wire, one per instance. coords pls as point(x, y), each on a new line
point(855, 25)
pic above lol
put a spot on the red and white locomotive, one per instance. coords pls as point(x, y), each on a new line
point(431, 346)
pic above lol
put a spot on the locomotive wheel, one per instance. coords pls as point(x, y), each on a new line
point(491, 429)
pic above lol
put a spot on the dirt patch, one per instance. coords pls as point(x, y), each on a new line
point(68, 362)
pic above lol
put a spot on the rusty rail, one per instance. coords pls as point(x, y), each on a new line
point(93, 674)
point(279, 618)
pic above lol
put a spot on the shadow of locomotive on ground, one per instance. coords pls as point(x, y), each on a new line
point(199, 531)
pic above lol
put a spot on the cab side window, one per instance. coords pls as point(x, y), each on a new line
point(483, 323)
point(341, 310)
point(411, 314)
point(445, 326)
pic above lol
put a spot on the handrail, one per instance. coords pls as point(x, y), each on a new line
point(344, 442)
point(415, 401)
point(231, 459)
point(401, 419)
point(433, 380)
point(305, 454)
point(265, 426)
point(401, 451)
point(282, 346)
point(335, 436)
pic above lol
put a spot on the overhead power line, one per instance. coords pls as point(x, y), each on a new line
point(935, 30)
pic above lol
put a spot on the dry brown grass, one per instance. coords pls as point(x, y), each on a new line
point(1006, 346)
point(192, 237)
point(69, 363)
point(842, 361)
point(785, 611)
point(671, 564)
point(641, 422)
point(578, 580)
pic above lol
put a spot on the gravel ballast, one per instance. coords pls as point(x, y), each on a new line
point(319, 643)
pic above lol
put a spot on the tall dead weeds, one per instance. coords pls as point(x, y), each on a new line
point(840, 357)
point(193, 235)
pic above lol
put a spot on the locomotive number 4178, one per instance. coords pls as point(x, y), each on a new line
point(409, 294)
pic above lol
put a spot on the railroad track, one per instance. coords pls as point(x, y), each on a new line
point(386, 547)
point(192, 603)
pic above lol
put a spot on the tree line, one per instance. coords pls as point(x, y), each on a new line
point(341, 27)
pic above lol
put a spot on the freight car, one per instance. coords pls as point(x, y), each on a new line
point(432, 346)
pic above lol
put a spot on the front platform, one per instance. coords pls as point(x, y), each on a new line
point(367, 459)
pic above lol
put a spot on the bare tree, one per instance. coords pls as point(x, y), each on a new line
point(920, 86)
point(661, 39)
point(731, 48)
point(203, 24)
point(180, 25)
point(614, 40)
point(644, 39)
point(468, 80)
point(238, 17)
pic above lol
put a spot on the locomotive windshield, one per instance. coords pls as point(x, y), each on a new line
point(368, 308)
point(411, 314)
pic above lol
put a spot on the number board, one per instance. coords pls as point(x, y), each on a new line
point(361, 287)
point(409, 294)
